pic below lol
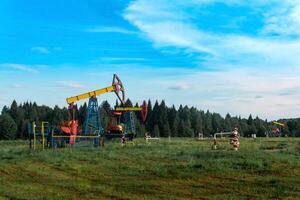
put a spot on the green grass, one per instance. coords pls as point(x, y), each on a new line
point(180, 169)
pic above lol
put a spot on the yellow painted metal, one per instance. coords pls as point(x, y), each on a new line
point(78, 136)
point(43, 134)
point(91, 94)
point(131, 142)
point(278, 123)
point(128, 109)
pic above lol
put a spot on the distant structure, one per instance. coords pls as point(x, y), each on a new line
point(222, 134)
point(200, 136)
point(149, 138)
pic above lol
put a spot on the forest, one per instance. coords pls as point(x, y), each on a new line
point(162, 121)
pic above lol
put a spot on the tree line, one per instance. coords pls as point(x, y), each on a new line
point(162, 121)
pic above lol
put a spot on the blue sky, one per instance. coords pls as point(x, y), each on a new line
point(235, 56)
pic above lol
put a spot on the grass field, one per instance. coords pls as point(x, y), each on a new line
point(180, 169)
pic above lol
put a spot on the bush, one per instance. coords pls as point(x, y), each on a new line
point(8, 127)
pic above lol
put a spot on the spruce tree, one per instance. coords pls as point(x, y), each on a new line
point(149, 122)
point(163, 123)
point(228, 126)
point(155, 117)
point(208, 129)
point(8, 127)
point(156, 132)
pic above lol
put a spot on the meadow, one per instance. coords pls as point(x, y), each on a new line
point(267, 168)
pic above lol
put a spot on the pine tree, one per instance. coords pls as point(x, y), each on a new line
point(82, 111)
point(166, 130)
point(208, 129)
point(8, 127)
point(181, 129)
point(199, 123)
point(185, 127)
point(234, 122)
point(163, 123)
point(156, 132)
point(18, 116)
point(105, 113)
point(228, 125)
point(149, 123)
point(250, 120)
point(216, 122)
point(154, 116)
point(196, 121)
point(175, 126)
point(161, 120)
point(259, 127)
point(5, 110)
point(128, 103)
point(171, 119)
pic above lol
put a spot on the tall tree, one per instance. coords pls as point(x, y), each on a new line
point(182, 122)
point(163, 123)
point(216, 122)
point(156, 132)
point(149, 122)
point(175, 126)
point(171, 118)
point(196, 121)
point(154, 117)
point(185, 126)
point(227, 123)
point(8, 127)
point(208, 128)
point(105, 111)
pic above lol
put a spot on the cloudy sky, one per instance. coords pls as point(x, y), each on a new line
point(236, 56)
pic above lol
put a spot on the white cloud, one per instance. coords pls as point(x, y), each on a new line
point(269, 94)
point(252, 74)
point(105, 29)
point(45, 50)
point(169, 25)
point(71, 84)
point(284, 19)
point(42, 50)
point(17, 86)
point(238, 91)
point(180, 86)
point(21, 67)
point(258, 97)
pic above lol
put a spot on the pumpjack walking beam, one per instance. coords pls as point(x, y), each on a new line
point(116, 87)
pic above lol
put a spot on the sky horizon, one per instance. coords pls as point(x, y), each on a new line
point(235, 56)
